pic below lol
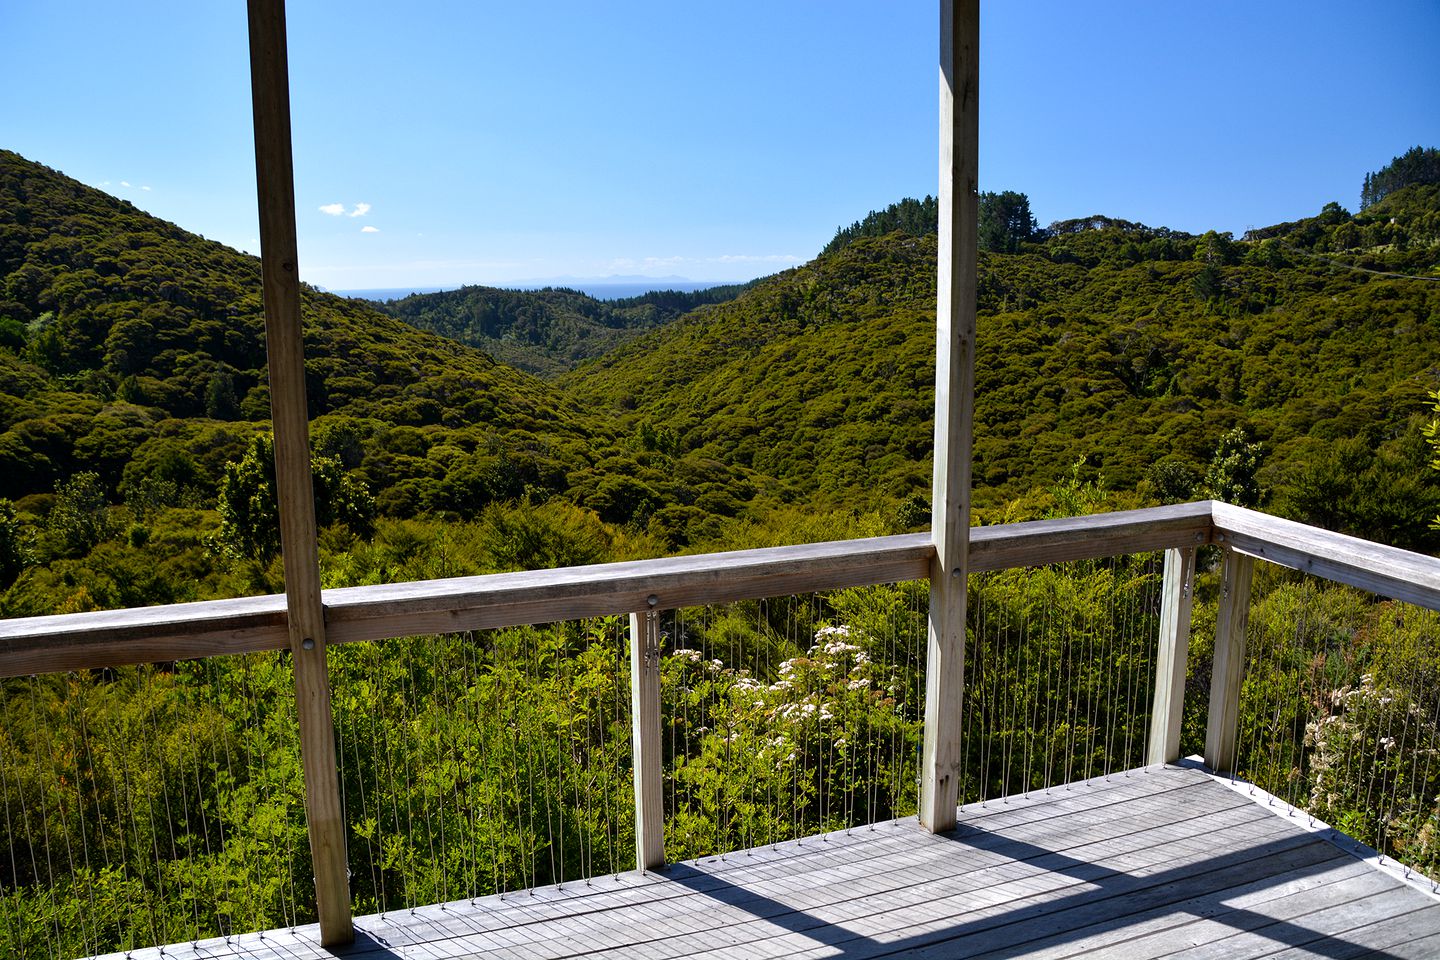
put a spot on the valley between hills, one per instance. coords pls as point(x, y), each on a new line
point(1117, 364)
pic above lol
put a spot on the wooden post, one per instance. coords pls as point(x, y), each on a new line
point(1174, 652)
point(955, 303)
point(645, 731)
point(274, 174)
point(1229, 669)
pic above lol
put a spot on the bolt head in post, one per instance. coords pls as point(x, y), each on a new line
point(307, 644)
point(652, 600)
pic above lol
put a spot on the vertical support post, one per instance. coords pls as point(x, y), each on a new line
point(955, 304)
point(1229, 670)
point(645, 730)
point(275, 180)
point(1174, 653)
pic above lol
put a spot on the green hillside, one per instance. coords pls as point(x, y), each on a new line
point(1109, 353)
point(820, 376)
point(124, 334)
point(1129, 348)
point(547, 332)
point(132, 372)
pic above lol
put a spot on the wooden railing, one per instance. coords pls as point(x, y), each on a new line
point(642, 588)
point(81, 641)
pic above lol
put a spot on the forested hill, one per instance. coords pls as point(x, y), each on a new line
point(547, 332)
point(132, 351)
point(132, 388)
point(1131, 349)
point(127, 343)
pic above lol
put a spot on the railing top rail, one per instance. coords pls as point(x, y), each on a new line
point(181, 631)
point(1038, 542)
point(108, 638)
point(1388, 571)
point(569, 593)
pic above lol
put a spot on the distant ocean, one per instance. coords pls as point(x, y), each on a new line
point(598, 290)
point(388, 293)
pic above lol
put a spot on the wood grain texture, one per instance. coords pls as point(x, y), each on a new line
point(646, 745)
point(112, 638)
point(1176, 594)
point(285, 360)
point(1038, 542)
point(543, 596)
point(955, 305)
point(1140, 864)
point(1388, 571)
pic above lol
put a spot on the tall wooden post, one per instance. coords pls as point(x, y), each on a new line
point(1228, 673)
point(275, 179)
point(645, 732)
point(1174, 653)
point(954, 406)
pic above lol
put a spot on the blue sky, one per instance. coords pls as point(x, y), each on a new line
point(440, 143)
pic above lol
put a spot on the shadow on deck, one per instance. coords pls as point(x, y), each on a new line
point(1149, 863)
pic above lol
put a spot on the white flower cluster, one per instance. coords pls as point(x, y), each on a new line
point(695, 656)
point(797, 710)
point(803, 711)
point(834, 642)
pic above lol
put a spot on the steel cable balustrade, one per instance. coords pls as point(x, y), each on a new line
point(1007, 640)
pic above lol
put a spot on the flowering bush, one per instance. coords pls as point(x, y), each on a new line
point(1374, 771)
point(818, 746)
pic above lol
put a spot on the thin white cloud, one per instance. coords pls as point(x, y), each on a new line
point(333, 209)
point(369, 229)
point(360, 210)
point(124, 183)
point(146, 189)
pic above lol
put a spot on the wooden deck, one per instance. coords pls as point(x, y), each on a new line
point(1151, 863)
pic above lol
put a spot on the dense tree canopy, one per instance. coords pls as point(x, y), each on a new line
point(1005, 222)
point(134, 351)
point(250, 514)
point(1418, 165)
point(1109, 342)
point(131, 351)
point(914, 218)
point(546, 332)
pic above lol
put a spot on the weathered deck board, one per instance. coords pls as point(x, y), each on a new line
point(1161, 862)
